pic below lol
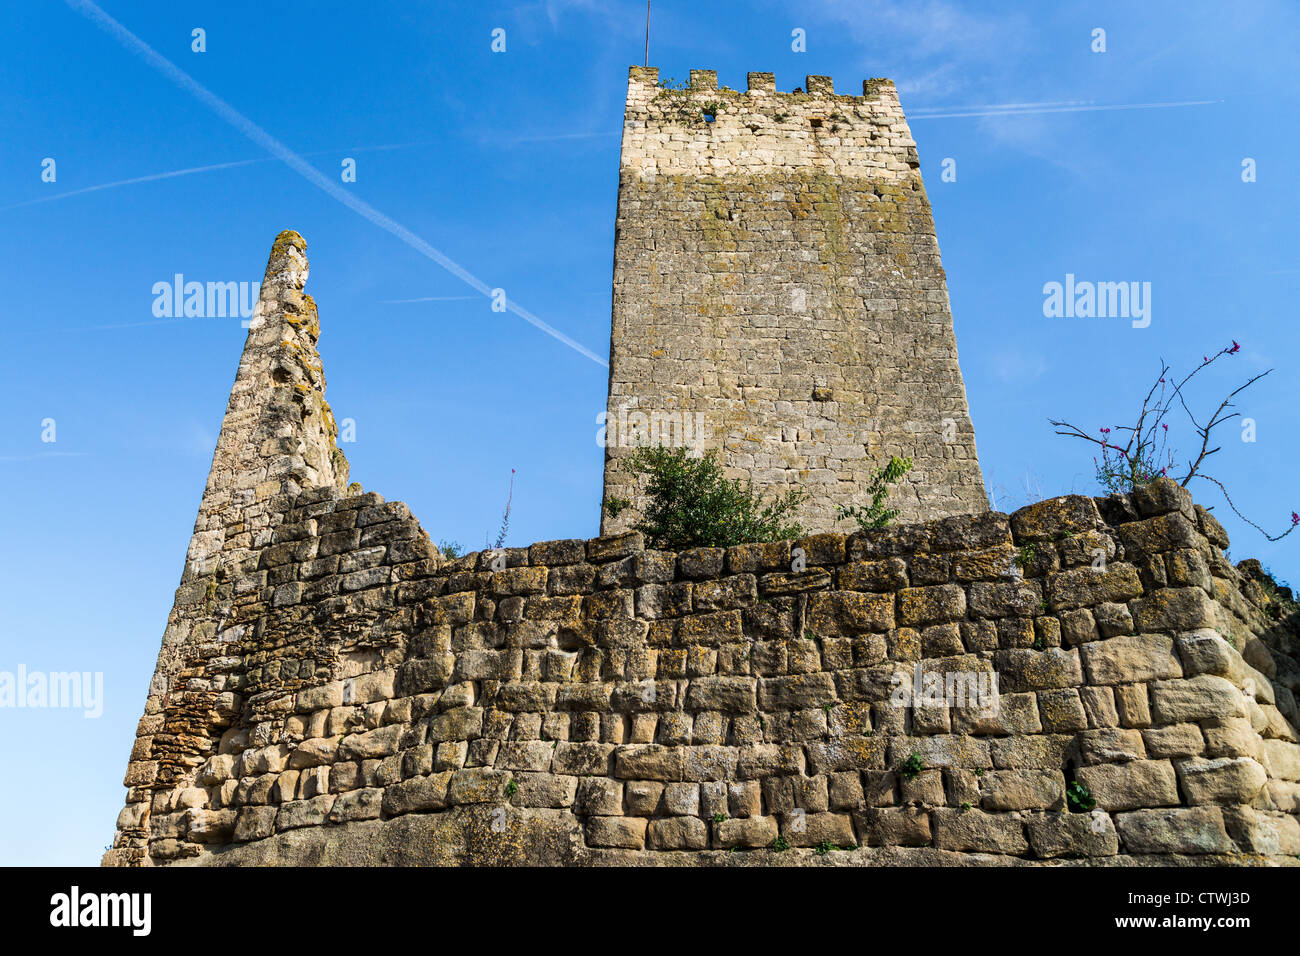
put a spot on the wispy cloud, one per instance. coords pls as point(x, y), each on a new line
point(992, 59)
point(624, 18)
point(196, 440)
point(1018, 366)
point(930, 47)
point(925, 28)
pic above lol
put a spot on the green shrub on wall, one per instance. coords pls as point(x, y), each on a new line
point(692, 504)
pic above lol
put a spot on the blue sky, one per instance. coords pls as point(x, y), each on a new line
point(507, 163)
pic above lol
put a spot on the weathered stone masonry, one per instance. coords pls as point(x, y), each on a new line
point(332, 690)
point(778, 295)
point(276, 439)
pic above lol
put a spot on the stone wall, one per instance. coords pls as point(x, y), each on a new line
point(597, 701)
point(778, 294)
point(331, 689)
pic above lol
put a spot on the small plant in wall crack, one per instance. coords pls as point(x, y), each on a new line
point(912, 766)
point(875, 514)
point(505, 518)
point(678, 101)
point(615, 506)
point(1025, 556)
point(709, 111)
point(1280, 599)
point(1079, 797)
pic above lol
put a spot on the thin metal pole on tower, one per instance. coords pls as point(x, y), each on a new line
point(647, 33)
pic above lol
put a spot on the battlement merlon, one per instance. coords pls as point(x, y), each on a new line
point(732, 131)
point(704, 81)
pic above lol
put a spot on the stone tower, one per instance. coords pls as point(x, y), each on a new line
point(778, 295)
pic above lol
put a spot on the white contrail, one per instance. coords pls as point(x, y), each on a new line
point(178, 320)
point(554, 137)
point(999, 106)
point(48, 454)
point(299, 165)
point(128, 182)
point(1003, 111)
point(427, 298)
point(154, 177)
